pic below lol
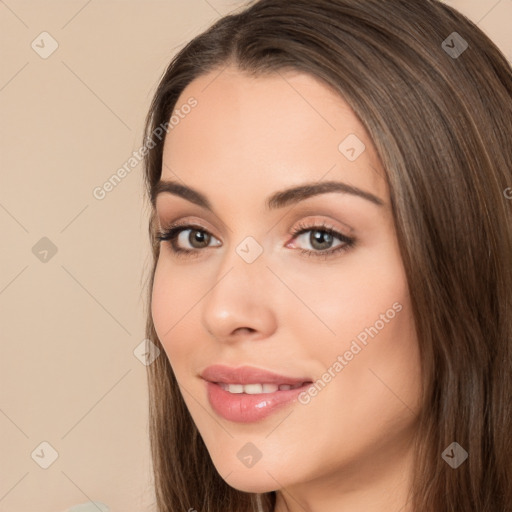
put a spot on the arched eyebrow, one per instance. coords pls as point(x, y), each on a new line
point(276, 200)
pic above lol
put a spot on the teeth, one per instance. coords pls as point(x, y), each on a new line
point(233, 388)
point(253, 389)
point(256, 389)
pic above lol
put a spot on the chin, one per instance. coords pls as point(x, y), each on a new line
point(246, 481)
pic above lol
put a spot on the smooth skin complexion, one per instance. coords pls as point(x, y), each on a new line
point(293, 310)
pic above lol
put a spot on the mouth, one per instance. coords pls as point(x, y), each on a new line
point(257, 389)
point(251, 380)
point(248, 394)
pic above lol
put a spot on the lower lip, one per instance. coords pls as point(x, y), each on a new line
point(244, 408)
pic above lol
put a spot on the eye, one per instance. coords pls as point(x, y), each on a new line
point(177, 235)
point(321, 238)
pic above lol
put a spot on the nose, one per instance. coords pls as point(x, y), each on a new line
point(240, 303)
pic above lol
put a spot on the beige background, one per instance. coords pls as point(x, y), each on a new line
point(70, 324)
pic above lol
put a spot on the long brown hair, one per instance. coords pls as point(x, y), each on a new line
point(441, 121)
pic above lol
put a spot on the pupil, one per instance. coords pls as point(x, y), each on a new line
point(198, 236)
point(317, 237)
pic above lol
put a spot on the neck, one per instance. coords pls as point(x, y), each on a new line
point(376, 484)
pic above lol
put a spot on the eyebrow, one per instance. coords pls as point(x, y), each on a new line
point(276, 200)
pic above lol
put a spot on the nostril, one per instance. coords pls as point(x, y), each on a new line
point(245, 330)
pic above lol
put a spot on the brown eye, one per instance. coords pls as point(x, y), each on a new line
point(198, 239)
point(184, 243)
point(321, 238)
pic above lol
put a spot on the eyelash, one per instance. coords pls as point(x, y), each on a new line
point(170, 234)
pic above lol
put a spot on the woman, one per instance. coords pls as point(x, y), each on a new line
point(331, 282)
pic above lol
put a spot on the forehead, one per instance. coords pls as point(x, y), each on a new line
point(267, 132)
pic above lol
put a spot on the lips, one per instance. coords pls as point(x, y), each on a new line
point(249, 375)
point(234, 393)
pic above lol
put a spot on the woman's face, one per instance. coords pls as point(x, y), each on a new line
point(332, 309)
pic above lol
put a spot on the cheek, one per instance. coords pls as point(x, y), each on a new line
point(380, 383)
point(366, 306)
point(171, 303)
point(347, 298)
point(162, 301)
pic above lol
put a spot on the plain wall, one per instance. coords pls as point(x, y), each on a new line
point(71, 321)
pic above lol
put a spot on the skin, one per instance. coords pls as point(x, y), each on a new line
point(349, 448)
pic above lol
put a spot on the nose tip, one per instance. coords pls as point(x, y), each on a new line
point(240, 304)
point(230, 318)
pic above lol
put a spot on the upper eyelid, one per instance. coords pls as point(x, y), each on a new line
point(184, 223)
point(298, 231)
point(303, 209)
point(306, 216)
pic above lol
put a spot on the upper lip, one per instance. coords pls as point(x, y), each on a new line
point(248, 375)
